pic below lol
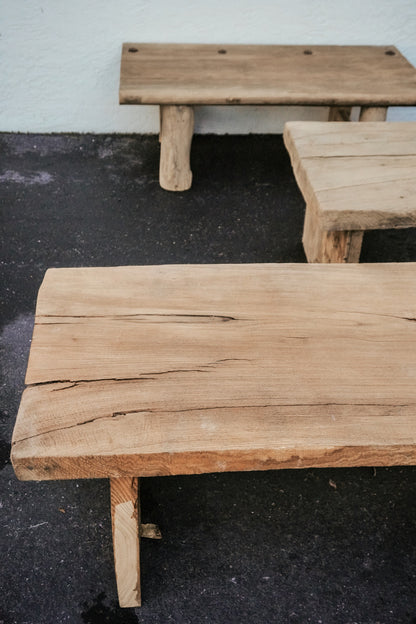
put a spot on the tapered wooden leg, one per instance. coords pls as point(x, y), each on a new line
point(339, 113)
point(176, 131)
point(373, 113)
point(125, 516)
point(323, 246)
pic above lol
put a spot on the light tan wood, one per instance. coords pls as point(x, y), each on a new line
point(356, 176)
point(339, 113)
point(373, 113)
point(176, 130)
point(125, 516)
point(189, 369)
point(323, 246)
point(265, 74)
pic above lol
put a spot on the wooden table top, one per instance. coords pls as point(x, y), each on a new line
point(356, 176)
point(265, 74)
point(142, 371)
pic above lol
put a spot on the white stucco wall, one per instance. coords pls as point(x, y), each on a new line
point(60, 60)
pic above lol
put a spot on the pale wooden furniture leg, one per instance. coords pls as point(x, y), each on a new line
point(176, 131)
point(373, 113)
point(125, 516)
point(323, 246)
point(339, 113)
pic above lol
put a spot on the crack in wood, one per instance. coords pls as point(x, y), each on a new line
point(401, 318)
point(78, 382)
point(143, 377)
point(140, 315)
point(202, 409)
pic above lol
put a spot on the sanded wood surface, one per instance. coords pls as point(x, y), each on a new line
point(265, 74)
point(356, 176)
point(125, 519)
point(187, 369)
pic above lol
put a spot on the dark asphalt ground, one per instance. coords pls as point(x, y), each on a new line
point(325, 546)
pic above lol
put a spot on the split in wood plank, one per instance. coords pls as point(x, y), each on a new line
point(353, 177)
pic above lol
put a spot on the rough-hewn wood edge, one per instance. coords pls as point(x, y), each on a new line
point(200, 462)
point(38, 297)
point(301, 177)
point(140, 97)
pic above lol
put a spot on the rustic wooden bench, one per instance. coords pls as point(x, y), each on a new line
point(165, 370)
point(353, 177)
point(178, 77)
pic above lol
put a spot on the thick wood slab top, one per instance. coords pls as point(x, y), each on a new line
point(265, 74)
point(164, 370)
point(356, 176)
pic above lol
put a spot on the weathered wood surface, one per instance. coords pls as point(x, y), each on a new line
point(125, 517)
point(141, 371)
point(356, 176)
point(176, 130)
point(323, 246)
point(265, 74)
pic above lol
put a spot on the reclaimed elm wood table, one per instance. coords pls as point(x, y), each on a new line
point(178, 77)
point(354, 177)
point(164, 370)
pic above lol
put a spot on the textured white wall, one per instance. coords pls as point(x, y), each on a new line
point(60, 59)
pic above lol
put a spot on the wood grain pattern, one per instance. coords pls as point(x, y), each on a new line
point(125, 517)
point(176, 131)
point(140, 371)
point(323, 246)
point(356, 176)
point(265, 74)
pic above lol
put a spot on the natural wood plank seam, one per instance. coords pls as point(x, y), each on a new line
point(327, 219)
point(361, 184)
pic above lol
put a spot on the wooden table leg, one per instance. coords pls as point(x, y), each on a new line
point(373, 113)
point(176, 131)
point(125, 516)
point(339, 113)
point(323, 246)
